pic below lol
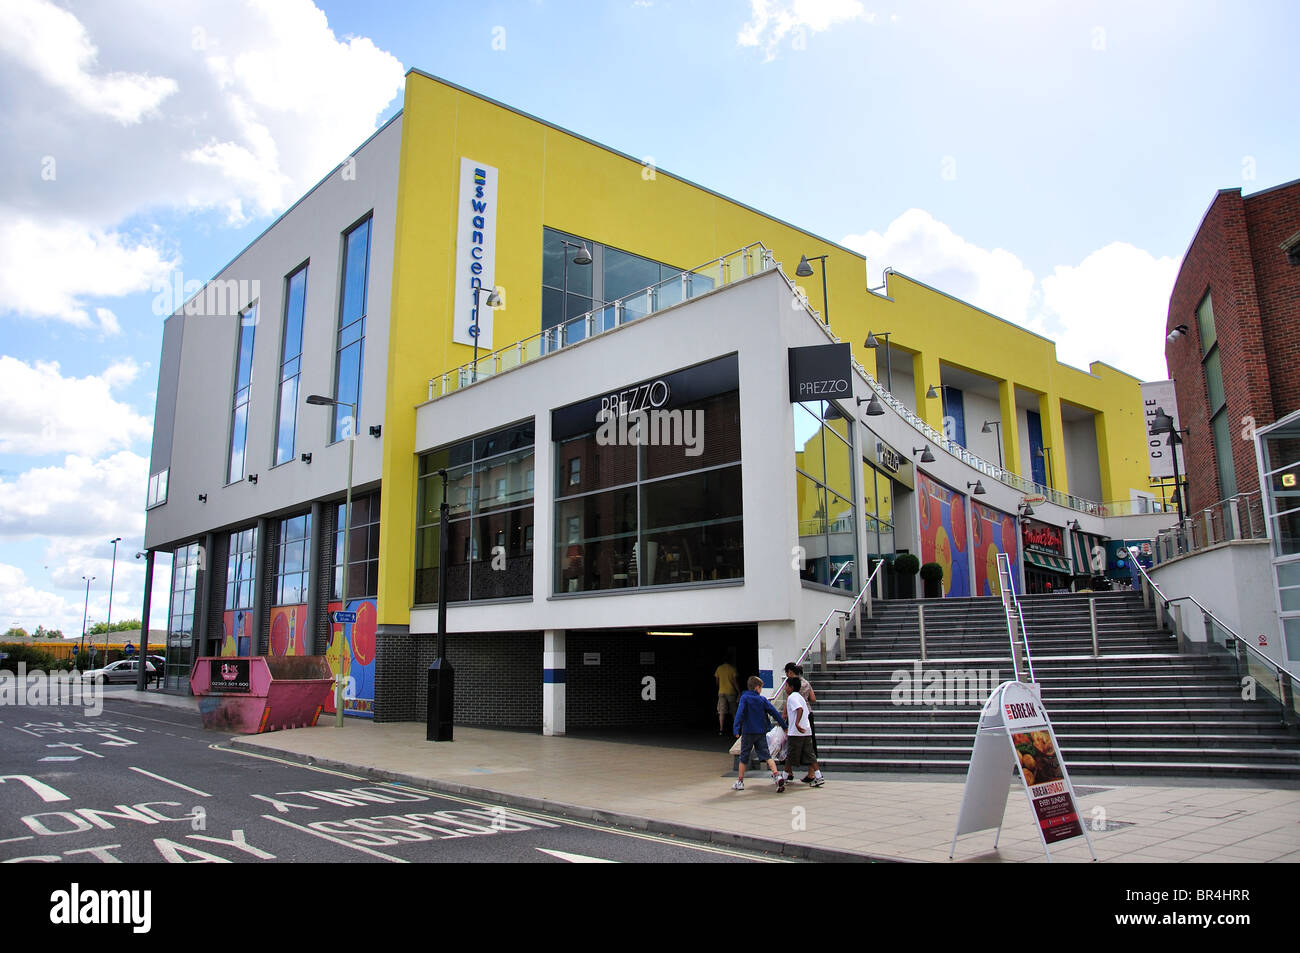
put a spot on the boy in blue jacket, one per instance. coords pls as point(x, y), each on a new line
point(751, 725)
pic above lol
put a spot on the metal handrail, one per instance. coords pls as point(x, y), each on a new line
point(839, 572)
point(552, 339)
point(1009, 599)
point(844, 612)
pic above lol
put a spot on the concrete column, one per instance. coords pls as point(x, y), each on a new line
point(1049, 412)
point(553, 666)
point(1010, 426)
point(926, 374)
point(315, 604)
point(259, 642)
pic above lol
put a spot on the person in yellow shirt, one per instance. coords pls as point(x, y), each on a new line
point(728, 680)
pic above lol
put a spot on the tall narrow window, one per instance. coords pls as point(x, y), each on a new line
point(295, 301)
point(1217, 399)
point(352, 327)
point(243, 387)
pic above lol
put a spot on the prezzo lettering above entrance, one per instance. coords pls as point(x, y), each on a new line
point(652, 395)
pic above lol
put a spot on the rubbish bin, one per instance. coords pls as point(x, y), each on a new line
point(261, 693)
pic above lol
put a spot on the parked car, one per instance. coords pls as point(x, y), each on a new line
point(126, 670)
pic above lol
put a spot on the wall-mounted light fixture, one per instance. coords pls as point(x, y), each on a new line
point(805, 271)
point(874, 408)
point(305, 458)
point(203, 498)
point(1176, 333)
point(988, 428)
point(252, 478)
point(931, 394)
point(1024, 510)
point(979, 487)
point(926, 455)
point(872, 343)
point(376, 430)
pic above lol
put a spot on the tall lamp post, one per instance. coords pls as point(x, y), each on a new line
point(85, 615)
point(441, 698)
point(1162, 423)
point(493, 300)
point(988, 428)
point(321, 401)
point(805, 271)
point(111, 576)
point(1045, 453)
point(873, 343)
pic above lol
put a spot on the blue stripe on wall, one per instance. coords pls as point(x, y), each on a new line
point(553, 676)
point(766, 676)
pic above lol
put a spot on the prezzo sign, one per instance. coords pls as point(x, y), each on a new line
point(1161, 394)
point(476, 242)
point(888, 457)
point(820, 372)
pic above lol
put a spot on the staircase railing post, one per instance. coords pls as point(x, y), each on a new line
point(821, 662)
point(1146, 593)
point(920, 621)
point(1177, 612)
point(1092, 618)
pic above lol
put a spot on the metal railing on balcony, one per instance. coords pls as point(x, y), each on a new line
point(1240, 517)
point(750, 260)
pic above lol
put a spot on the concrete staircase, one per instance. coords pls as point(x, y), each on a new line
point(1141, 709)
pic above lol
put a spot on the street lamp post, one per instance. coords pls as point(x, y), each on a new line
point(1163, 423)
point(805, 271)
point(871, 342)
point(85, 615)
point(351, 437)
point(988, 428)
point(108, 631)
point(493, 300)
point(440, 716)
point(1045, 453)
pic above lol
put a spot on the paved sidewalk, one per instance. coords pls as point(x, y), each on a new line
point(855, 816)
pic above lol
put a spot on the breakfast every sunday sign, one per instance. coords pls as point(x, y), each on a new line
point(1014, 712)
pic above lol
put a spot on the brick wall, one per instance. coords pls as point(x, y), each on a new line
point(498, 677)
point(1256, 296)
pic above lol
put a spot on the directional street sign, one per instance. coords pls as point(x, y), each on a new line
point(342, 617)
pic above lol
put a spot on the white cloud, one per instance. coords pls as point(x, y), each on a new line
point(48, 269)
point(43, 412)
point(260, 100)
point(770, 21)
point(1111, 307)
point(924, 248)
point(54, 44)
point(85, 497)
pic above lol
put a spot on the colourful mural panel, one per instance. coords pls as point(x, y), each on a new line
point(993, 532)
point(352, 646)
point(943, 534)
point(289, 630)
point(238, 624)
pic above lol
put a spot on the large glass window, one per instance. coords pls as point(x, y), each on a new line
point(824, 465)
point(293, 561)
point(570, 289)
point(243, 389)
point(352, 328)
point(490, 517)
point(241, 569)
point(1217, 399)
point(363, 549)
point(878, 510)
point(653, 498)
point(295, 302)
point(186, 563)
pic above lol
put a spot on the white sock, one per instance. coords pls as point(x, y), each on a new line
point(817, 773)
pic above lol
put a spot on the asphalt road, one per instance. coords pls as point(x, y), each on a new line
point(140, 784)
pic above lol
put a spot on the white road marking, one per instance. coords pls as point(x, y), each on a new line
point(575, 858)
point(175, 784)
point(26, 732)
point(47, 793)
point(336, 840)
point(62, 757)
point(14, 840)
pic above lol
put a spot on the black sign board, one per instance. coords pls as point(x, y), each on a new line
point(821, 372)
point(229, 676)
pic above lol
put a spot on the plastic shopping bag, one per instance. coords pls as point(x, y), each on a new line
point(776, 743)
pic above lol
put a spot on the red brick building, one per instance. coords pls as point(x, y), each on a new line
point(1236, 357)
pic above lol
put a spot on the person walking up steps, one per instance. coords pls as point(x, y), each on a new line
point(801, 741)
point(751, 726)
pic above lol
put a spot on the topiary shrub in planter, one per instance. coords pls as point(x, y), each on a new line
point(932, 576)
point(905, 569)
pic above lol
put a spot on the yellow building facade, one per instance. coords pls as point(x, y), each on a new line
point(553, 179)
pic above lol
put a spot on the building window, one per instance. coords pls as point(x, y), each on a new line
point(241, 569)
point(243, 388)
point(286, 425)
point(157, 489)
point(352, 328)
point(1217, 399)
point(293, 561)
point(651, 510)
point(489, 522)
point(878, 510)
point(823, 463)
point(186, 563)
point(363, 550)
point(570, 290)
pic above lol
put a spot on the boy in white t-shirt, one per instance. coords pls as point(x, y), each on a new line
point(800, 733)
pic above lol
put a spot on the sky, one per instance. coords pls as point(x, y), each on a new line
point(1049, 162)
